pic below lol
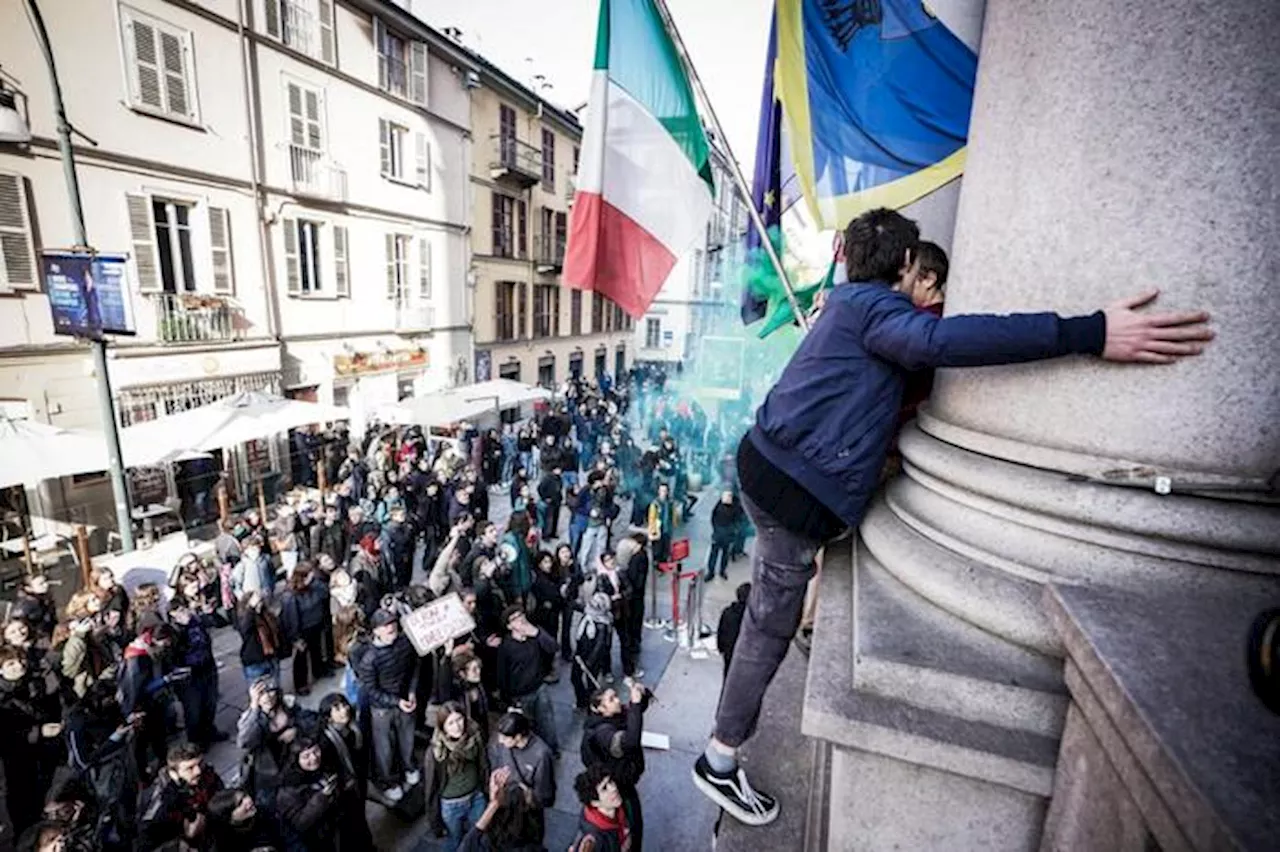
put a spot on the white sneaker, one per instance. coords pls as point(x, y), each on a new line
point(393, 794)
point(411, 778)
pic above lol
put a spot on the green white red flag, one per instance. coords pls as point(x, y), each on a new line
point(644, 189)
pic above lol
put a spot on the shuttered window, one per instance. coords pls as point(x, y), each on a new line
point(424, 268)
point(159, 59)
point(142, 235)
point(18, 270)
point(224, 282)
point(306, 128)
point(423, 158)
point(341, 265)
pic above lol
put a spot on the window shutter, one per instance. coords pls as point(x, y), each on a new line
point(272, 15)
point(297, 123)
point(379, 38)
point(522, 242)
point(146, 65)
point(18, 268)
point(424, 161)
point(384, 144)
point(497, 224)
point(311, 101)
point(220, 246)
point(522, 309)
point(424, 268)
point(292, 258)
point(327, 54)
point(418, 73)
point(341, 270)
point(175, 80)
point(391, 267)
point(142, 233)
point(555, 315)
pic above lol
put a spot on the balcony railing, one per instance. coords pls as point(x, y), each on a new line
point(315, 176)
point(548, 251)
point(513, 160)
point(413, 317)
point(198, 318)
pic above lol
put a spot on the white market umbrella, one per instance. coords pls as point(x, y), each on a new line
point(228, 422)
point(466, 402)
point(32, 451)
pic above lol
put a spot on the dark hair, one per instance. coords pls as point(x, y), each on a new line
point(223, 803)
point(876, 245)
point(743, 592)
point(35, 837)
point(934, 259)
point(587, 784)
point(598, 695)
point(461, 660)
point(182, 752)
point(447, 709)
point(510, 612)
point(514, 724)
point(332, 700)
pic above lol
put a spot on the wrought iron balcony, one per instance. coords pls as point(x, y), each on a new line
point(548, 252)
point(315, 176)
point(198, 318)
point(514, 161)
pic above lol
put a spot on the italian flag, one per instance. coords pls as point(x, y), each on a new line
point(644, 188)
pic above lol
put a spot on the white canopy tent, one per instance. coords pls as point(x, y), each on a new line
point(228, 422)
point(466, 402)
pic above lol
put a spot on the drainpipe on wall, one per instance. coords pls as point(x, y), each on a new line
point(253, 112)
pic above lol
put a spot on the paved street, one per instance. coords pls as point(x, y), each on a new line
point(676, 816)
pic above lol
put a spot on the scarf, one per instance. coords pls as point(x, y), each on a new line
point(454, 754)
point(617, 823)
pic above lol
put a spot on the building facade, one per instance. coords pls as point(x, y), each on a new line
point(527, 325)
point(288, 181)
point(699, 298)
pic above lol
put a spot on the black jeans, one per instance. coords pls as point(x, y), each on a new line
point(308, 664)
point(719, 553)
point(781, 565)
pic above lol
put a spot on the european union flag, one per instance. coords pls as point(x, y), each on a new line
point(877, 95)
point(773, 189)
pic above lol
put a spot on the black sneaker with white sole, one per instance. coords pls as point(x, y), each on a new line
point(732, 792)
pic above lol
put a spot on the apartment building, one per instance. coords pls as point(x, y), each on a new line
point(289, 181)
point(527, 325)
point(700, 297)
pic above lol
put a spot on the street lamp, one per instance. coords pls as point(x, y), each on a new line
point(13, 128)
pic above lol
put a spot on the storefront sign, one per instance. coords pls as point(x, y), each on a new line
point(88, 293)
point(428, 627)
point(368, 363)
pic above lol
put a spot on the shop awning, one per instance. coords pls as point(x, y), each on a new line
point(466, 402)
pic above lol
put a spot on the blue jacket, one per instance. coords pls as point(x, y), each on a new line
point(830, 418)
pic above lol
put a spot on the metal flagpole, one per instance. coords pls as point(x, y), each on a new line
point(738, 179)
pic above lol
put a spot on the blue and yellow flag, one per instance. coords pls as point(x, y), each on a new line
point(876, 95)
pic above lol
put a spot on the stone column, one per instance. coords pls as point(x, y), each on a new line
point(1115, 146)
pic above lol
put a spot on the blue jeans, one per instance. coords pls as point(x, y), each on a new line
point(459, 816)
point(256, 670)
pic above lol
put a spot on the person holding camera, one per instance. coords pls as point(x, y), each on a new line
point(308, 801)
point(267, 728)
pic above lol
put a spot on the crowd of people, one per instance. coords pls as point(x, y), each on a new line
point(118, 693)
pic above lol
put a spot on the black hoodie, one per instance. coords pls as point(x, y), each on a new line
point(614, 742)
